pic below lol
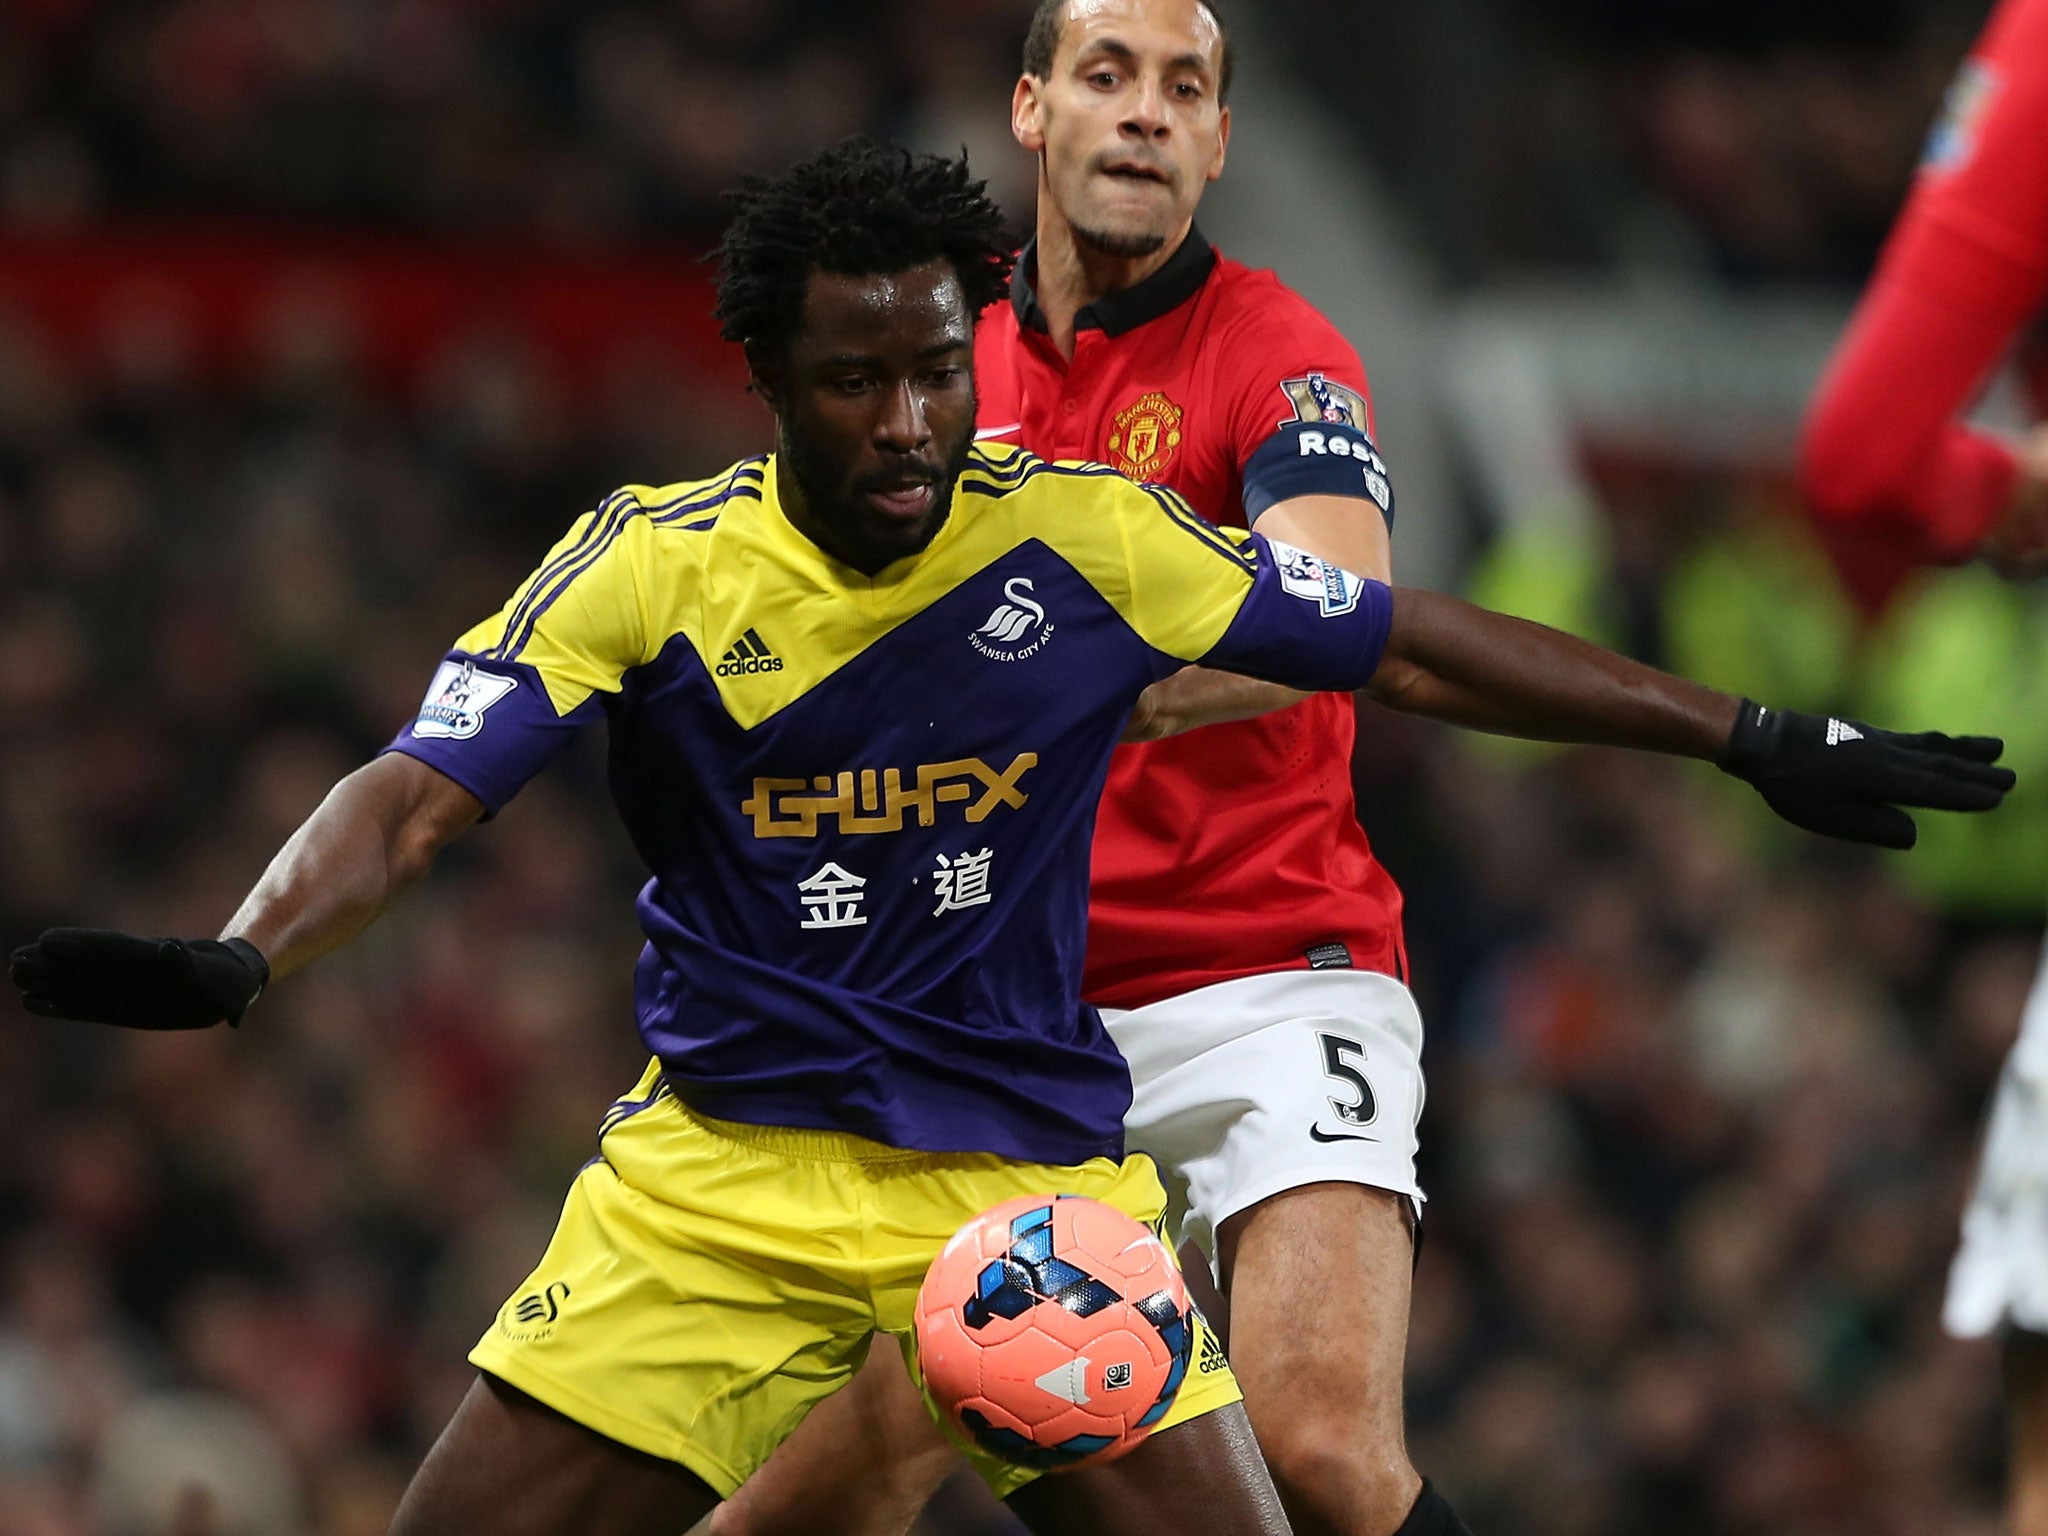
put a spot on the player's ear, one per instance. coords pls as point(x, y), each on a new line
point(766, 376)
point(1027, 114)
point(1222, 145)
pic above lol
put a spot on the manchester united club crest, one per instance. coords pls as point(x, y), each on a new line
point(1146, 436)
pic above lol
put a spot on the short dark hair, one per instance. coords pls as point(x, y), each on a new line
point(1042, 42)
point(859, 209)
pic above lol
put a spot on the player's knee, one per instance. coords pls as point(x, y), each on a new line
point(1334, 1474)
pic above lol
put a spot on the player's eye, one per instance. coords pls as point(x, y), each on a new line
point(1187, 91)
point(1104, 80)
point(947, 376)
point(852, 386)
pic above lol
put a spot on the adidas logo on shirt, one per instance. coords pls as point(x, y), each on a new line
point(750, 654)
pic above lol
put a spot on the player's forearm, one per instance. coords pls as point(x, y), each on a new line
point(1450, 661)
point(1881, 445)
point(1198, 696)
point(377, 832)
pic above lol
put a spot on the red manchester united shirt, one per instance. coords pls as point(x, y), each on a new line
point(1235, 849)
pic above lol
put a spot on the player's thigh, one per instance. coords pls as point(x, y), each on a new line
point(1284, 1107)
point(508, 1466)
point(697, 1299)
point(864, 1463)
point(1253, 1087)
point(1319, 1280)
point(1201, 1475)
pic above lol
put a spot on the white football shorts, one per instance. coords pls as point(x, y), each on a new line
point(1266, 1083)
point(2000, 1274)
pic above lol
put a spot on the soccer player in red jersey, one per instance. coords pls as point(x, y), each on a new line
point(1890, 470)
point(1245, 945)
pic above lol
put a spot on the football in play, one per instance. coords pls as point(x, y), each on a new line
point(1054, 1329)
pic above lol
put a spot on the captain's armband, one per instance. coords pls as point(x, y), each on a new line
point(1317, 459)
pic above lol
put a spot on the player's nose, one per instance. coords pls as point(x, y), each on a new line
point(1146, 113)
point(903, 425)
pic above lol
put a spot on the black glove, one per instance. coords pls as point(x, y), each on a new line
point(115, 978)
point(1842, 778)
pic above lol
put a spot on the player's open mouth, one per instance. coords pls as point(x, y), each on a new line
point(905, 502)
point(1131, 170)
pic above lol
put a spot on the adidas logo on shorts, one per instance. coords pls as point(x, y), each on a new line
point(1212, 1354)
point(750, 654)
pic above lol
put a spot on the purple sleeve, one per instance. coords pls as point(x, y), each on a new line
point(1306, 624)
point(490, 726)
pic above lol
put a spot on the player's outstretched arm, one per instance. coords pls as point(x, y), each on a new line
point(1347, 531)
point(1451, 661)
point(1197, 696)
point(377, 832)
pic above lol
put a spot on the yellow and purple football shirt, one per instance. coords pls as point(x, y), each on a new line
point(867, 802)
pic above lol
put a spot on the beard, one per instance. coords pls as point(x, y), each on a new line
point(1123, 246)
point(837, 515)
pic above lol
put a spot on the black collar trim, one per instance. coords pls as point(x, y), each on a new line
point(1160, 294)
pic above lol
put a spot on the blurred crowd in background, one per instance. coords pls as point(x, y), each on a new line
point(1704, 1096)
point(1755, 141)
point(1519, 130)
point(570, 121)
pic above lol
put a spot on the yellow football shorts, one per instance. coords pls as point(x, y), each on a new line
point(710, 1283)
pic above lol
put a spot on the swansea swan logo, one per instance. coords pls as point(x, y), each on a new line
point(1017, 629)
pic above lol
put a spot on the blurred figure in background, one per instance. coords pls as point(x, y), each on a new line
point(1896, 477)
point(194, 1464)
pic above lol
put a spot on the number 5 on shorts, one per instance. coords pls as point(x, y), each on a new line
point(1364, 1108)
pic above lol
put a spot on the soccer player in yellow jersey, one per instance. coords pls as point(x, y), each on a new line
point(861, 697)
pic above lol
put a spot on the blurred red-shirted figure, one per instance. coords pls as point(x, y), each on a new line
point(1895, 478)
point(1884, 455)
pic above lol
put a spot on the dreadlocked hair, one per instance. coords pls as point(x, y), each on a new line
point(860, 209)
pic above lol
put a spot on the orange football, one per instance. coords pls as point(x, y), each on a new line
point(1054, 1329)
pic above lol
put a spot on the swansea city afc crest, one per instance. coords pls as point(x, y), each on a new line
point(1146, 436)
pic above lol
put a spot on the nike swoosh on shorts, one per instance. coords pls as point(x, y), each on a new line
point(1317, 1133)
